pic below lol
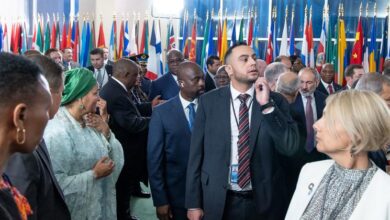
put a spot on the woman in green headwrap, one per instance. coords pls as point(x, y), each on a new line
point(87, 158)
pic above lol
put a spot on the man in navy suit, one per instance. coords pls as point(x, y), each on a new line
point(169, 143)
point(305, 115)
point(166, 86)
point(213, 63)
point(102, 72)
point(240, 132)
point(327, 84)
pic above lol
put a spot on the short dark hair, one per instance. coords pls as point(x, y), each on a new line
point(51, 70)
point(210, 60)
point(97, 51)
point(230, 50)
point(351, 68)
point(51, 50)
point(19, 78)
point(31, 52)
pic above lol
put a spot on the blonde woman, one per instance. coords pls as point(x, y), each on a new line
point(349, 186)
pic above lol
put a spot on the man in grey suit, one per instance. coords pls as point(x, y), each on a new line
point(32, 174)
point(240, 131)
point(67, 59)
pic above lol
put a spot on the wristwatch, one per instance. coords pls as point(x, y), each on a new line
point(268, 105)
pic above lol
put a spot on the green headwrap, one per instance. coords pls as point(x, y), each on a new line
point(78, 82)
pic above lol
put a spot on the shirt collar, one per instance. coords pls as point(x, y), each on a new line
point(185, 103)
point(120, 83)
point(235, 93)
point(325, 84)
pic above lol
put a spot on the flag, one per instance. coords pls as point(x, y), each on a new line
point(210, 44)
point(384, 50)
point(93, 36)
point(47, 36)
point(121, 40)
point(250, 31)
point(357, 50)
point(192, 55)
point(269, 55)
point(132, 46)
point(86, 43)
point(234, 37)
point(82, 39)
point(283, 44)
point(24, 33)
point(255, 41)
point(365, 64)
point(321, 55)
point(171, 37)
point(219, 35)
point(5, 39)
point(38, 44)
point(184, 44)
point(15, 38)
point(224, 43)
point(155, 64)
point(101, 40)
point(1, 37)
point(341, 57)
point(144, 48)
point(372, 47)
point(75, 40)
point(113, 48)
point(305, 37)
point(53, 37)
point(63, 36)
point(241, 32)
point(205, 41)
point(126, 40)
point(292, 39)
point(310, 42)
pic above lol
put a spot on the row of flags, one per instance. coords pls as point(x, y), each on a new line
point(137, 37)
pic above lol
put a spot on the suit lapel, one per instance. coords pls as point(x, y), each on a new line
point(179, 109)
point(123, 93)
point(256, 119)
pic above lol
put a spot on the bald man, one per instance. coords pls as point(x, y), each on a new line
point(167, 85)
point(130, 128)
point(169, 138)
point(288, 86)
point(327, 84)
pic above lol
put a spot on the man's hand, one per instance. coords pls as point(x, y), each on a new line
point(262, 91)
point(164, 212)
point(195, 214)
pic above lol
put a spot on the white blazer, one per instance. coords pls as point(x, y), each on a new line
point(374, 203)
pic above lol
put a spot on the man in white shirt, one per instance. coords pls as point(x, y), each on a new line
point(327, 84)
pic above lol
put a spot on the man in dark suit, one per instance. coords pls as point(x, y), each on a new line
point(102, 72)
point(240, 131)
point(353, 72)
point(130, 128)
point(166, 86)
point(327, 86)
point(169, 138)
point(67, 59)
point(32, 174)
point(306, 110)
point(213, 63)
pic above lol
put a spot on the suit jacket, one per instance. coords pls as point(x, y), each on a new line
point(72, 65)
point(32, 174)
point(374, 203)
point(110, 62)
point(145, 85)
point(129, 127)
point(208, 167)
point(209, 83)
point(322, 89)
point(294, 164)
point(168, 150)
point(107, 67)
point(166, 86)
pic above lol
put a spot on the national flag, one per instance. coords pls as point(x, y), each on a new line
point(69, 37)
point(75, 40)
point(184, 45)
point(219, 33)
point(284, 48)
point(85, 46)
point(255, 41)
point(241, 31)
point(93, 36)
point(171, 37)
point(132, 46)
point(357, 50)
point(1, 37)
point(372, 47)
point(82, 39)
point(137, 34)
point(47, 35)
point(292, 37)
point(321, 55)
point(366, 65)
point(204, 44)
point(155, 68)
point(210, 49)
point(113, 48)
point(384, 50)
point(5, 39)
point(233, 37)
point(144, 46)
point(342, 46)
point(53, 37)
point(121, 39)
point(63, 36)
point(192, 55)
point(250, 31)
point(269, 55)
point(305, 37)
point(126, 40)
point(310, 42)
point(38, 44)
point(24, 33)
point(101, 40)
point(15, 38)
point(224, 43)
point(58, 33)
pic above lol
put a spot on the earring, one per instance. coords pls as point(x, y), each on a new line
point(18, 130)
point(81, 107)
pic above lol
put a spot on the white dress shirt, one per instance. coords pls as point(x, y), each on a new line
point(313, 105)
point(185, 105)
point(326, 86)
point(104, 75)
point(235, 132)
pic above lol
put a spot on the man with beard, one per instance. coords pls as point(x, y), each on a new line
point(233, 169)
point(166, 86)
point(169, 138)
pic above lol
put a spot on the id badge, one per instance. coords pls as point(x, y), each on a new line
point(234, 173)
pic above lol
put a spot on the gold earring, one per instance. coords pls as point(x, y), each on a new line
point(81, 107)
point(18, 130)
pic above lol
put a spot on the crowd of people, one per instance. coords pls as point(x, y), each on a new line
point(238, 140)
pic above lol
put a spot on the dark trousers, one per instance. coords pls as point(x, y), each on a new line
point(241, 205)
point(179, 213)
point(125, 186)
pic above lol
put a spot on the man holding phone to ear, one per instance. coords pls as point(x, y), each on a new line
point(234, 171)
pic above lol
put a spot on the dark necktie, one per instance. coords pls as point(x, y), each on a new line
point(309, 125)
point(99, 78)
point(330, 88)
point(191, 115)
point(244, 175)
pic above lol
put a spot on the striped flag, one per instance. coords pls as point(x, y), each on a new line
point(121, 39)
point(269, 56)
point(224, 43)
point(155, 64)
point(126, 40)
point(132, 46)
point(384, 50)
point(292, 38)
point(372, 47)
point(184, 45)
point(305, 37)
point(310, 42)
point(192, 55)
point(284, 43)
point(205, 41)
point(321, 55)
point(101, 40)
point(113, 47)
point(233, 37)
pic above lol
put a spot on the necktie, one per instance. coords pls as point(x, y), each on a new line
point(99, 78)
point(309, 125)
point(191, 115)
point(244, 176)
point(69, 66)
point(330, 89)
